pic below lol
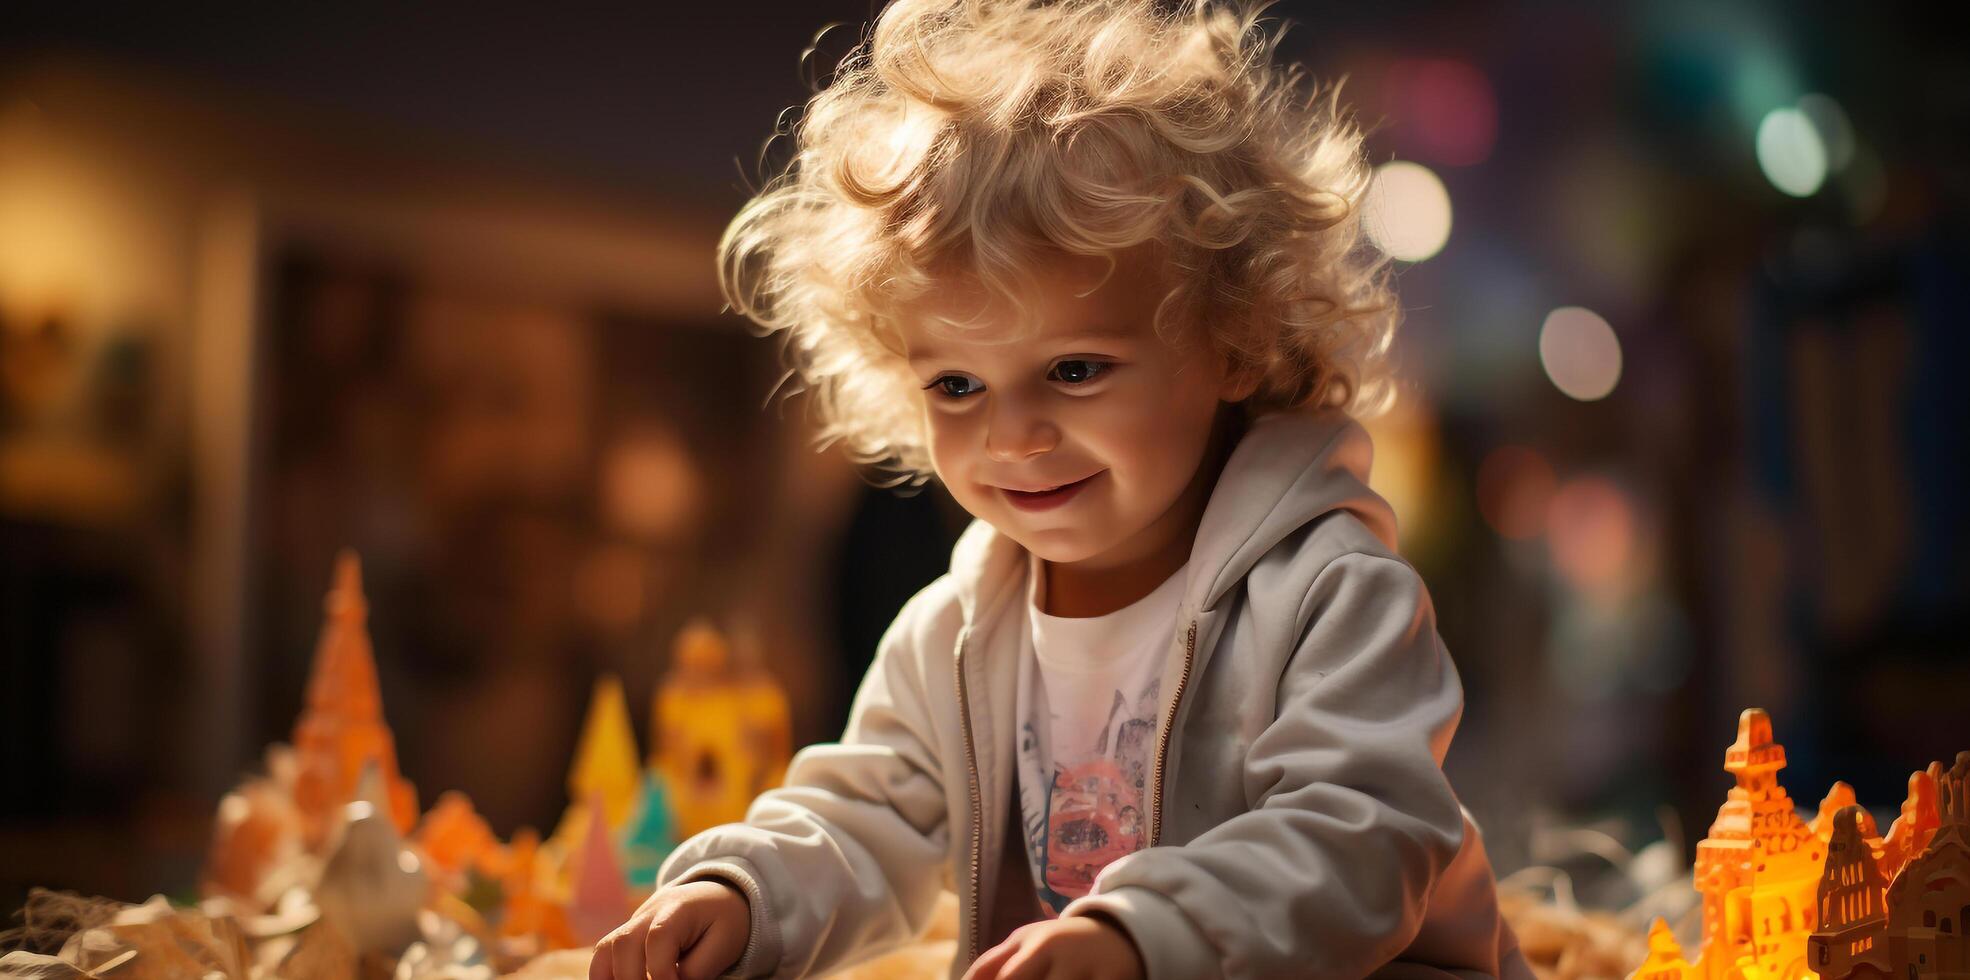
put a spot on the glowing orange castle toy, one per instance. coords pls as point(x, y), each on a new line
point(1784, 899)
point(341, 728)
point(1760, 867)
point(1915, 927)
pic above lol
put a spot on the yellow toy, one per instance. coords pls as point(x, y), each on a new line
point(722, 734)
point(605, 761)
point(604, 773)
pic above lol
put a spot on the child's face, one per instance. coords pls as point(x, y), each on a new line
point(1076, 441)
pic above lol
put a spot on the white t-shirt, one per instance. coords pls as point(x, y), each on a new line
point(1087, 709)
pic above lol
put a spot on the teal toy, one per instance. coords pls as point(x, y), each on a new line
point(652, 833)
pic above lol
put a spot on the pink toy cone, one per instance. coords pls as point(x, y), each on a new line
point(600, 901)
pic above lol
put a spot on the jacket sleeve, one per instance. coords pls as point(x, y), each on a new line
point(848, 856)
point(1352, 820)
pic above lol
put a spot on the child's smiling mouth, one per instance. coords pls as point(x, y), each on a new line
point(1049, 497)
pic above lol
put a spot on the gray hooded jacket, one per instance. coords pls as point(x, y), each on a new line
point(1300, 823)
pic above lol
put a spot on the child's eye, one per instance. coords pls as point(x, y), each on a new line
point(955, 385)
point(1077, 371)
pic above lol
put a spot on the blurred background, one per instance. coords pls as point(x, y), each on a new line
point(1680, 430)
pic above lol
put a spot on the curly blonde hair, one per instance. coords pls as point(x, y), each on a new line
point(975, 137)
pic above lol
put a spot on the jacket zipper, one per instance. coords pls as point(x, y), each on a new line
point(1163, 738)
point(977, 803)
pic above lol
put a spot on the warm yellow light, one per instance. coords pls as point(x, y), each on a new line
point(77, 240)
point(1407, 451)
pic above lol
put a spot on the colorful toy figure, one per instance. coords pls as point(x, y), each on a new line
point(1784, 899)
point(257, 828)
point(457, 840)
point(606, 760)
point(604, 773)
point(651, 836)
point(721, 735)
point(526, 916)
point(600, 900)
point(341, 729)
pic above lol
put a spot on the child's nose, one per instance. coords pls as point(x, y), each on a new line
point(1016, 430)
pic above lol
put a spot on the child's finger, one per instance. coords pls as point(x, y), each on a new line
point(716, 948)
point(659, 953)
point(1028, 962)
point(601, 965)
point(986, 967)
point(627, 957)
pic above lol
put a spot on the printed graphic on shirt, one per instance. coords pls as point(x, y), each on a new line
point(1092, 810)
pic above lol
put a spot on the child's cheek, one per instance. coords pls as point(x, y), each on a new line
point(954, 447)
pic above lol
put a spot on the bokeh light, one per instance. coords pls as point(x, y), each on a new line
point(1447, 110)
point(1590, 530)
point(650, 486)
point(1514, 490)
point(1408, 211)
point(1580, 353)
point(1791, 152)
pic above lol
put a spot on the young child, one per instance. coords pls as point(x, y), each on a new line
point(1178, 709)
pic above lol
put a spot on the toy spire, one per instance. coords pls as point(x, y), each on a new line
point(1838, 796)
point(526, 916)
point(1928, 900)
point(605, 769)
point(457, 839)
point(341, 728)
point(1665, 960)
point(1953, 794)
point(601, 897)
point(1754, 754)
point(1911, 831)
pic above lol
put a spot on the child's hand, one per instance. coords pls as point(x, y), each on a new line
point(691, 931)
point(1079, 947)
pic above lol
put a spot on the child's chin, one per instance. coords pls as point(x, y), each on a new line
point(1061, 546)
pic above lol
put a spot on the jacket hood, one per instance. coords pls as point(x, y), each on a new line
point(1288, 470)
